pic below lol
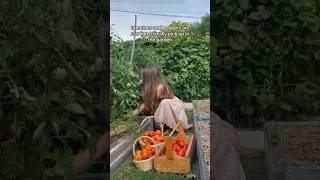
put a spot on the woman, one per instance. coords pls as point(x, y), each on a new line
point(160, 101)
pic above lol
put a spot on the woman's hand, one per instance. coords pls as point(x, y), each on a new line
point(138, 111)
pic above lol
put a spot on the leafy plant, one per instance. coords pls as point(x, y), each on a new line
point(184, 62)
point(265, 59)
point(49, 93)
point(185, 65)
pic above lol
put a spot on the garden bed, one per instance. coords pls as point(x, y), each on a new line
point(201, 116)
point(121, 128)
point(202, 134)
point(293, 147)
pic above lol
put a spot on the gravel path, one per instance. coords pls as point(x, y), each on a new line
point(204, 132)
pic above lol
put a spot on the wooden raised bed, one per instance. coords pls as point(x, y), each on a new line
point(292, 150)
point(181, 165)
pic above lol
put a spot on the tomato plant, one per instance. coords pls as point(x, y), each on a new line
point(51, 85)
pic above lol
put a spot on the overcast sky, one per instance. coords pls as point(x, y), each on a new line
point(121, 22)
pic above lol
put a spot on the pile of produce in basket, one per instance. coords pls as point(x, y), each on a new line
point(146, 152)
point(180, 147)
point(155, 135)
point(143, 159)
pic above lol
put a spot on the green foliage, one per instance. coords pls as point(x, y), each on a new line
point(266, 58)
point(49, 69)
point(124, 80)
point(185, 65)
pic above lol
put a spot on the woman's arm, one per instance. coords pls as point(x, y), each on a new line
point(81, 160)
point(139, 110)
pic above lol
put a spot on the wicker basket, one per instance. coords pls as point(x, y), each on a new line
point(158, 146)
point(144, 165)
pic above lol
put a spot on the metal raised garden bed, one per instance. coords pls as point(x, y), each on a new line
point(121, 148)
point(200, 153)
point(287, 172)
point(201, 116)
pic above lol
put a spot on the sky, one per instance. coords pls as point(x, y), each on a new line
point(121, 22)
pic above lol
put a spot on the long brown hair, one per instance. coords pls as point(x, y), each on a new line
point(150, 80)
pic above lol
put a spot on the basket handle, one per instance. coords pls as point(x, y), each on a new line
point(174, 129)
point(161, 125)
point(135, 142)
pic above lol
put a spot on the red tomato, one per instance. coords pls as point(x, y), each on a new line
point(149, 152)
point(178, 139)
point(176, 147)
point(180, 153)
point(181, 144)
point(144, 154)
point(147, 146)
point(158, 132)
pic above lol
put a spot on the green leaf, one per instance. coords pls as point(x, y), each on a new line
point(71, 38)
point(237, 26)
point(59, 74)
point(39, 131)
point(74, 108)
point(285, 106)
point(238, 43)
point(261, 14)
point(244, 4)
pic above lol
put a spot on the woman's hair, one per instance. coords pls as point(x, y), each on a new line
point(150, 80)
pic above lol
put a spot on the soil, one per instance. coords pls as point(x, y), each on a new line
point(296, 147)
point(202, 107)
point(204, 132)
